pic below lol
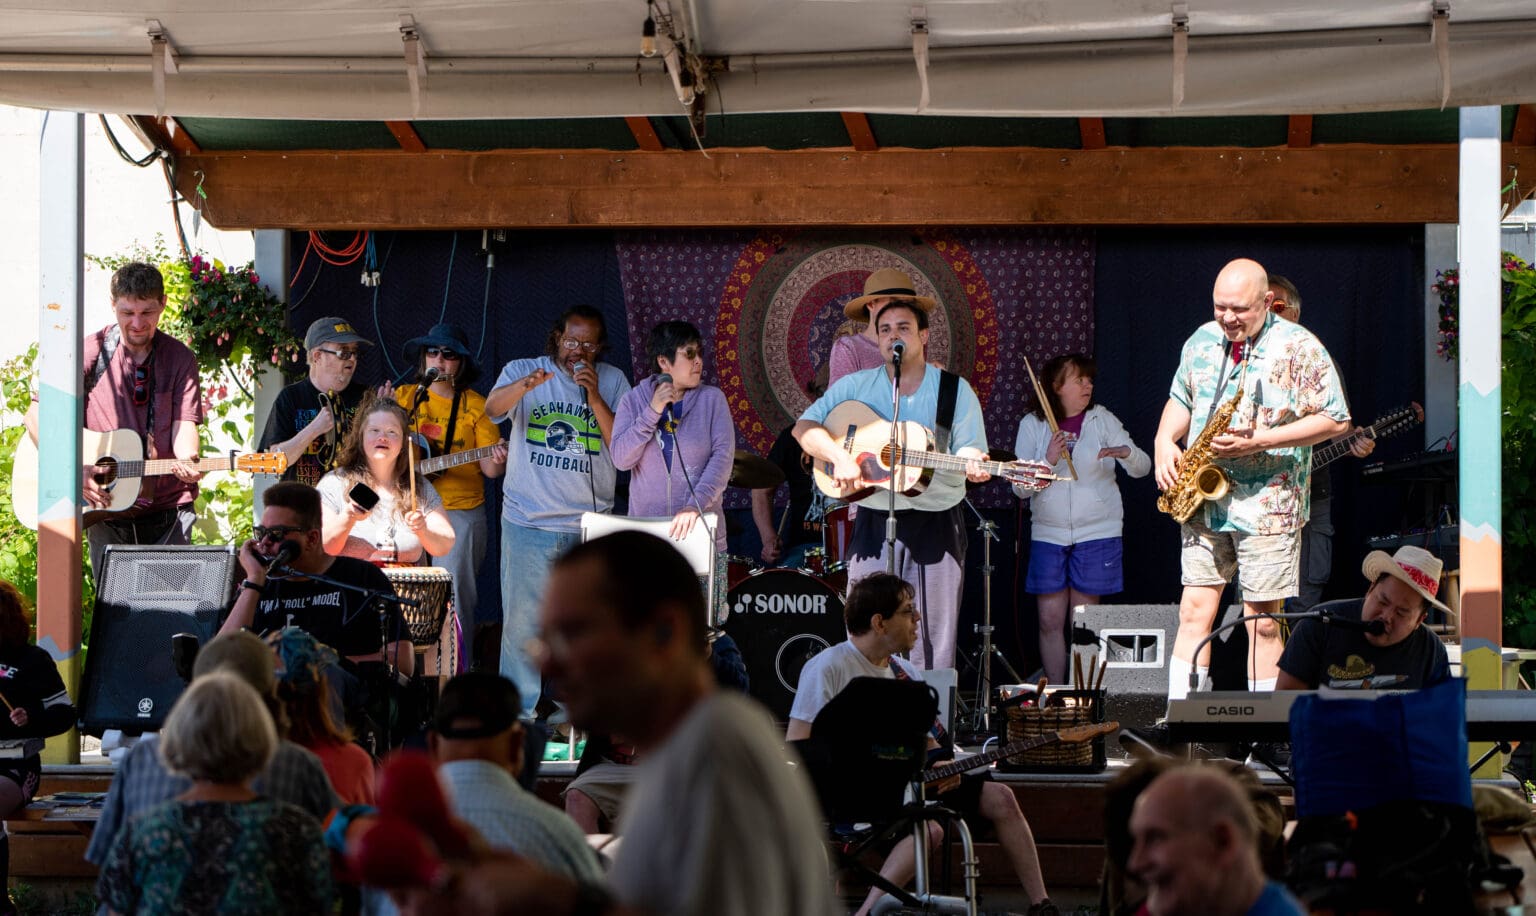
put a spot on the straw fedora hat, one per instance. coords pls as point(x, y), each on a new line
point(887, 282)
point(1413, 565)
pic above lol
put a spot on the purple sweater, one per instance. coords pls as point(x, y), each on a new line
point(706, 441)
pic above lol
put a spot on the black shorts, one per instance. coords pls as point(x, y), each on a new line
point(965, 799)
point(26, 772)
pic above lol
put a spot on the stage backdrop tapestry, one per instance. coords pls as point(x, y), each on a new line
point(769, 304)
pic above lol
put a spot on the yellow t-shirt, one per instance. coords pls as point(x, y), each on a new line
point(461, 486)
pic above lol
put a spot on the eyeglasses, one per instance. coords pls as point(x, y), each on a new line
point(571, 343)
point(140, 386)
point(444, 352)
point(276, 531)
point(345, 356)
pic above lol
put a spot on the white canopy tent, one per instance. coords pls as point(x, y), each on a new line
point(439, 59)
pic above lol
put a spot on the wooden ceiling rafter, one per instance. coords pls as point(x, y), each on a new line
point(337, 189)
point(645, 134)
point(405, 134)
point(1524, 133)
point(1298, 132)
point(1091, 132)
point(164, 133)
point(860, 135)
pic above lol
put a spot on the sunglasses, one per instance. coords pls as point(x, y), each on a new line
point(444, 352)
point(345, 356)
point(141, 386)
point(263, 533)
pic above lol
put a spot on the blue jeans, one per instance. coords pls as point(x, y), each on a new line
point(526, 555)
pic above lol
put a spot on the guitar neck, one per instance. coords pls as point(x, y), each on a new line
point(939, 461)
point(1324, 455)
point(159, 467)
point(981, 760)
point(433, 465)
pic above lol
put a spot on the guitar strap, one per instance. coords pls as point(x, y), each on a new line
point(453, 420)
point(944, 415)
point(107, 340)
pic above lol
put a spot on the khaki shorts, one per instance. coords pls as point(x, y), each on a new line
point(1268, 565)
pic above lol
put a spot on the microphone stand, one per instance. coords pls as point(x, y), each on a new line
point(981, 720)
point(370, 595)
point(1327, 617)
point(896, 464)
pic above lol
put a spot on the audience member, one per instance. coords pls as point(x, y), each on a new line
point(38, 707)
point(142, 780)
point(218, 847)
point(304, 667)
point(1195, 847)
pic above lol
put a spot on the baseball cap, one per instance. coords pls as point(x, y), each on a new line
point(477, 704)
point(332, 330)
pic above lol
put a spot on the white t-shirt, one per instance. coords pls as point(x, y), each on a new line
point(719, 823)
point(830, 670)
point(382, 537)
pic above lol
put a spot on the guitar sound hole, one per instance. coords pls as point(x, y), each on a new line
point(105, 474)
point(870, 469)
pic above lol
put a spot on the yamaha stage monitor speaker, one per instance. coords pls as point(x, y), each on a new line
point(145, 596)
point(781, 618)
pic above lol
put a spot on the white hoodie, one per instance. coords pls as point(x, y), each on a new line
point(1087, 509)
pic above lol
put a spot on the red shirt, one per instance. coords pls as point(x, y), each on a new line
point(173, 381)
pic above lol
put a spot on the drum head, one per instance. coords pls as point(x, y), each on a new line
point(781, 618)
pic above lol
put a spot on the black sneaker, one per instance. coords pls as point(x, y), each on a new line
point(1043, 908)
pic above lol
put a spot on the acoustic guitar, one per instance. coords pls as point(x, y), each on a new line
point(864, 435)
point(116, 461)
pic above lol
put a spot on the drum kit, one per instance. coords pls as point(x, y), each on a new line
point(781, 616)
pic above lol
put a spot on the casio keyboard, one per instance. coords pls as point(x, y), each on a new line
point(1237, 715)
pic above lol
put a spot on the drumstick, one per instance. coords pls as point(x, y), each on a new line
point(1040, 690)
point(8, 706)
point(1050, 415)
point(1077, 671)
point(1098, 684)
point(410, 464)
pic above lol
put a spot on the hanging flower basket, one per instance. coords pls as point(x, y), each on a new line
point(1516, 275)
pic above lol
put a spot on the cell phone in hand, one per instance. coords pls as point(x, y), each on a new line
point(364, 496)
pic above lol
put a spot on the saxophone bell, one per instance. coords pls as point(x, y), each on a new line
point(1212, 482)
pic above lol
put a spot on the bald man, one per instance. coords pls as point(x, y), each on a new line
point(1195, 847)
point(1292, 399)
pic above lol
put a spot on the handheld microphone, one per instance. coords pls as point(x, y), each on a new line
point(431, 375)
point(663, 378)
point(898, 349)
point(286, 553)
point(575, 368)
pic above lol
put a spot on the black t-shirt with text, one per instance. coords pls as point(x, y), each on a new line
point(293, 410)
point(341, 618)
point(1328, 656)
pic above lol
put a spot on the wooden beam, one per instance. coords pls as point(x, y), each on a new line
point(645, 134)
point(859, 134)
point(1092, 132)
point(1298, 133)
point(344, 189)
point(406, 136)
point(165, 133)
point(1524, 133)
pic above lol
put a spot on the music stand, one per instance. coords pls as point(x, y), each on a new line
point(698, 548)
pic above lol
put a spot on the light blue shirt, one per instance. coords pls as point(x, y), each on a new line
point(872, 387)
point(512, 818)
point(553, 447)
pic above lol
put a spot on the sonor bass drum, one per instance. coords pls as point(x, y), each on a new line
point(781, 618)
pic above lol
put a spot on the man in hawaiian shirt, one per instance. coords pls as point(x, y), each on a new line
point(1292, 399)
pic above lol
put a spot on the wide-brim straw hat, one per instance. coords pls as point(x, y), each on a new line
point(1413, 565)
point(883, 283)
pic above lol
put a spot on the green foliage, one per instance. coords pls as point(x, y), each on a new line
point(18, 544)
point(1518, 390)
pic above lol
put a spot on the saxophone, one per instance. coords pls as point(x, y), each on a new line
point(1199, 478)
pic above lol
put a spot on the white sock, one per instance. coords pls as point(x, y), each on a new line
point(1262, 685)
point(1203, 677)
point(1178, 678)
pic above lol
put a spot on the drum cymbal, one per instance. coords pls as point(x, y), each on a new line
point(754, 472)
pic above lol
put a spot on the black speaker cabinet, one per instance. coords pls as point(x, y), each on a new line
point(145, 596)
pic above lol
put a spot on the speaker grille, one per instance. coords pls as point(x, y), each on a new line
point(147, 595)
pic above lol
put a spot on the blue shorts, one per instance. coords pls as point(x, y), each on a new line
point(1091, 567)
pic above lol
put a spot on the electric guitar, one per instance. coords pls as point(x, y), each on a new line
point(1388, 424)
point(431, 467)
point(1074, 735)
point(864, 435)
point(115, 460)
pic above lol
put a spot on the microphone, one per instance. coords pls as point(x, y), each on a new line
point(898, 349)
point(575, 368)
point(431, 375)
point(663, 378)
point(286, 553)
point(1327, 618)
point(1368, 627)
